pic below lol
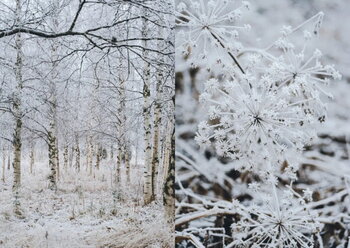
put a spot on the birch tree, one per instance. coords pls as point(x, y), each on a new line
point(3, 164)
point(52, 131)
point(168, 187)
point(148, 187)
point(157, 118)
point(17, 102)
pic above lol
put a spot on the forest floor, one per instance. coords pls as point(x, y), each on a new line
point(83, 212)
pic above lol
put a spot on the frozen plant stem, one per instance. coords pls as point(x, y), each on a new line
point(224, 47)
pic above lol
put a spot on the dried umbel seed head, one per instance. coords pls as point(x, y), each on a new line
point(207, 26)
point(279, 222)
point(250, 121)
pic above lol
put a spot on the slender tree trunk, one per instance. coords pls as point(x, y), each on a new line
point(3, 164)
point(90, 154)
point(31, 157)
point(9, 159)
point(92, 145)
point(52, 157)
point(127, 165)
point(166, 154)
point(98, 156)
point(148, 192)
point(137, 149)
point(112, 152)
point(17, 108)
point(54, 75)
point(57, 159)
point(86, 153)
point(148, 196)
point(169, 183)
point(65, 157)
point(52, 138)
point(118, 165)
point(122, 138)
point(77, 154)
point(71, 156)
point(168, 189)
point(157, 121)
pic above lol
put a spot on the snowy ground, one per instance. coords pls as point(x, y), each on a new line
point(82, 213)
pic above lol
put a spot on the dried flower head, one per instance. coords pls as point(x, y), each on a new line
point(279, 222)
point(207, 25)
point(250, 121)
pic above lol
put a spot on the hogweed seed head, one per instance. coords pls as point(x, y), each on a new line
point(250, 121)
point(278, 222)
point(205, 26)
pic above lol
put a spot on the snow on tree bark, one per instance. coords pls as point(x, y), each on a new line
point(157, 119)
point(77, 153)
point(17, 105)
point(31, 157)
point(148, 191)
point(118, 165)
point(65, 157)
point(52, 156)
point(90, 154)
point(3, 164)
point(168, 188)
point(98, 156)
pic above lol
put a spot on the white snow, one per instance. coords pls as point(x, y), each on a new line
point(82, 213)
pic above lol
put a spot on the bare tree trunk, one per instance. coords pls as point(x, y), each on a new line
point(137, 148)
point(17, 102)
point(77, 154)
point(112, 152)
point(98, 156)
point(157, 121)
point(52, 157)
point(121, 131)
point(118, 165)
point(3, 163)
point(52, 138)
point(57, 158)
point(86, 152)
point(65, 157)
point(168, 189)
point(148, 191)
point(90, 154)
point(71, 156)
point(9, 158)
point(166, 154)
point(31, 157)
point(127, 165)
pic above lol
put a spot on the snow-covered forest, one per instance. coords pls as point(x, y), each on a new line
point(86, 123)
point(262, 123)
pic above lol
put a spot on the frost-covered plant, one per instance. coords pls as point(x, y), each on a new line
point(262, 110)
point(250, 120)
point(208, 25)
point(281, 222)
point(304, 73)
point(263, 113)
